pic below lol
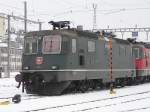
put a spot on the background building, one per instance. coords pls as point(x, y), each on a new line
point(2, 27)
point(15, 56)
point(16, 43)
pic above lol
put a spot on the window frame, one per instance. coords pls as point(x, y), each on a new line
point(25, 42)
point(89, 50)
point(60, 44)
point(74, 48)
point(138, 51)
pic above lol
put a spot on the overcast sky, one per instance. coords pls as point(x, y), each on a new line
point(112, 13)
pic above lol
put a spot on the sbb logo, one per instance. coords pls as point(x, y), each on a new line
point(39, 60)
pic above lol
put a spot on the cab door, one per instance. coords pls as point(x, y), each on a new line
point(82, 52)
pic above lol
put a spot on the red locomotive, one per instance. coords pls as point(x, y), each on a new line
point(141, 53)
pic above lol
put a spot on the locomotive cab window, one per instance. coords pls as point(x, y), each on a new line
point(52, 44)
point(74, 44)
point(91, 46)
point(30, 45)
point(136, 53)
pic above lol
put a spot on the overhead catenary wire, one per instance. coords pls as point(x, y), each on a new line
point(103, 12)
point(71, 3)
point(78, 10)
point(111, 11)
point(72, 11)
point(14, 7)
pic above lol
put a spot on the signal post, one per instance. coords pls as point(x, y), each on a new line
point(110, 66)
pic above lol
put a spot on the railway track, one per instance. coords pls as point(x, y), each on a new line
point(5, 98)
point(114, 104)
point(136, 109)
point(101, 101)
point(29, 97)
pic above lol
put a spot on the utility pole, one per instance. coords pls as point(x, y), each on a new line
point(147, 34)
point(40, 25)
point(25, 19)
point(9, 32)
point(8, 48)
point(94, 17)
point(25, 16)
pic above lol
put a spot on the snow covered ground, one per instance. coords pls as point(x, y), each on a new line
point(12, 74)
point(128, 99)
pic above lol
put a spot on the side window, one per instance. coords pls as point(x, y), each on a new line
point(136, 52)
point(3, 50)
point(144, 54)
point(34, 47)
point(147, 53)
point(30, 45)
point(52, 44)
point(106, 46)
point(91, 46)
point(74, 45)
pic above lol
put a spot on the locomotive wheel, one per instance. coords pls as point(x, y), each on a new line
point(124, 82)
point(49, 88)
point(148, 78)
point(81, 86)
point(88, 84)
point(84, 86)
point(55, 88)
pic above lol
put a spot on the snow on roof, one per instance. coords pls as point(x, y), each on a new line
point(3, 45)
point(20, 47)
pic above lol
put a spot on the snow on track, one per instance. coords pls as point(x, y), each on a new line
point(98, 103)
point(128, 99)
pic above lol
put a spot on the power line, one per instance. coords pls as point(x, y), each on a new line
point(142, 8)
point(71, 3)
point(115, 11)
point(109, 11)
point(126, 9)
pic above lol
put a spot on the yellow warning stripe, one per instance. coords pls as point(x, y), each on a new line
point(4, 102)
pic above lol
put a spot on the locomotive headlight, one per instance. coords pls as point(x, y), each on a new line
point(54, 67)
point(26, 68)
point(30, 81)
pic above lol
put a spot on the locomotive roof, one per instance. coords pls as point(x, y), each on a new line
point(71, 31)
point(87, 34)
point(121, 41)
point(146, 45)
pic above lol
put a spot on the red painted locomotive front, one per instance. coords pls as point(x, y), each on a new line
point(143, 63)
